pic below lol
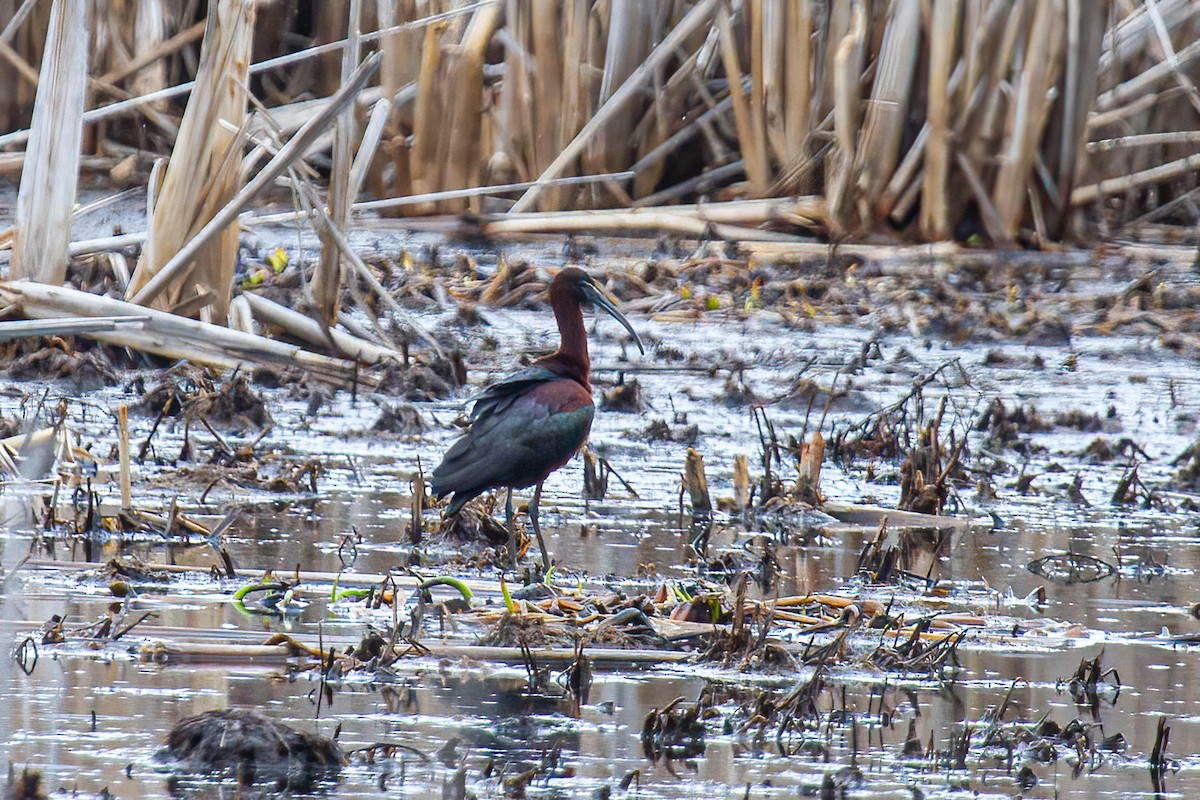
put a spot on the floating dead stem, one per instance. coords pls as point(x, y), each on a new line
point(1090, 684)
point(746, 644)
point(913, 652)
point(1131, 490)
point(675, 732)
point(891, 431)
point(795, 713)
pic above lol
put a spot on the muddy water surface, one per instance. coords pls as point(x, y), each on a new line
point(92, 721)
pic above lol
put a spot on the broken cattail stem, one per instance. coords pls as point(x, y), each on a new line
point(696, 482)
point(416, 526)
point(123, 457)
point(741, 482)
point(595, 479)
point(808, 481)
point(327, 279)
point(169, 335)
point(309, 330)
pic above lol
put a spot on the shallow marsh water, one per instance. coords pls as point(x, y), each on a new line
point(94, 723)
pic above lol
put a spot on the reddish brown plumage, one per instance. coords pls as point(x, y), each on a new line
point(571, 358)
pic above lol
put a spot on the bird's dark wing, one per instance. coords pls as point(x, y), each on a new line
point(517, 440)
point(497, 396)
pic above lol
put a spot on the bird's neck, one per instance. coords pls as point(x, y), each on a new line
point(571, 358)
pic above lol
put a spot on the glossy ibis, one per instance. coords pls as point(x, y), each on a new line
point(532, 422)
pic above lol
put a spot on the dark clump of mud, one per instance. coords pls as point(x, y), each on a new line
point(422, 382)
point(473, 524)
point(659, 430)
point(399, 419)
point(85, 371)
point(252, 747)
point(26, 786)
point(195, 395)
point(625, 397)
point(517, 630)
point(1188, 463)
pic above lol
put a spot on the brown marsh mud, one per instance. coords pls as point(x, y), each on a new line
point(738, 607)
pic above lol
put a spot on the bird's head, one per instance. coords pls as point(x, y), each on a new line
point(577, 285)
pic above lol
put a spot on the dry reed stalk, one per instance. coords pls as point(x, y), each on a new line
point(134, 103)
point(765, 84)
point(42, 229)
point(757, 169)
point(147, 56)
point(848, 68)
point(202, 175)
point(150, 28)
point(1159, 174)
point(20, 329)
point(631, 34)
point(294, 148)
point(678, 98)
point(433, 197)
point(1127, 39)
point(466, 148)
point(661, 53)
point(427, 118)
point(308, 330)
point(327, 278)
point(682, 136)
point(553, 85)
point(126, 483)
point(543, 101)
point(798, 57)
point(809, 212)
point(1086, 21)
point(24, 70)
point(367, 148)
point(887, 110)
point(401, 61)
point(1027, 116)
point(15, 18)
point(633, 221)
point(1146, 81)
point(1144, 140)
point(170, 335)
point(935, 202)
point(771, 30)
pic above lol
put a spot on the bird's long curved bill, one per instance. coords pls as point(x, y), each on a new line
point(602, 300)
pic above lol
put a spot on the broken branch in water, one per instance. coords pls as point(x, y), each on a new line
point(172, 336)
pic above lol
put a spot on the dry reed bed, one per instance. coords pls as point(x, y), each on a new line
point(1010, 121)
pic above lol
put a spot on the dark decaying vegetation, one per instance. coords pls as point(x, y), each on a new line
point(253, 748)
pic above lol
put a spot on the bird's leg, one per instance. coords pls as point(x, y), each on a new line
point(537, 529)
point(512, 531)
